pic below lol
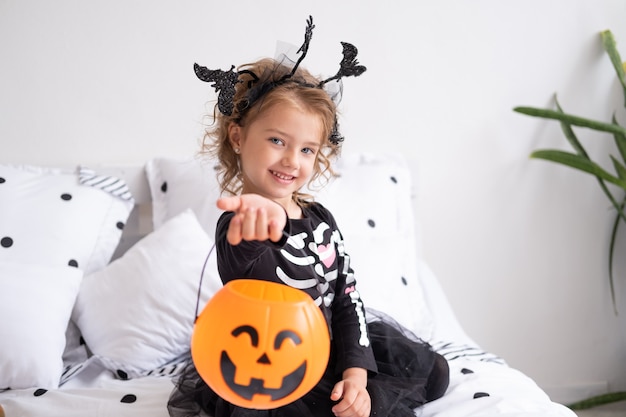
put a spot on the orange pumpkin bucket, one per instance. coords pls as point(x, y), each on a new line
point(260, 344)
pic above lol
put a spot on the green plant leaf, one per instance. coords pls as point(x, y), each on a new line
point(582, 162)
point(619, 168)
point(569, 133)
point(571, 119)
point(612, 252)
point(577, 145)
point(598, 400)
point(578, 162)
point(620, 141)
point(610, 46)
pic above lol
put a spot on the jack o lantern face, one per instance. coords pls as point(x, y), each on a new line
point(260, 344)
point(288, 382)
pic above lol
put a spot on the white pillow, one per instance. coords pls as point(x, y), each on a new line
point(35, 305)
point(60, 217)
point(371, 202)
point(48, 217)
point(177, 185)
point(137, 314)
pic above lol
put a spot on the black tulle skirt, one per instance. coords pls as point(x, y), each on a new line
point(409, 374)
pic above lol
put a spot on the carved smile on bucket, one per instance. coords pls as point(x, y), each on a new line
point(289, 383)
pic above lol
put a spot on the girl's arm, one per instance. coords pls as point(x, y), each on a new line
point(348, 317)
point(353, 347)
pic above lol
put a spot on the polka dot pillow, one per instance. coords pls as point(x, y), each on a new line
point(177, 185)
point(58, 217)
point(371, 202)
point(55, 226)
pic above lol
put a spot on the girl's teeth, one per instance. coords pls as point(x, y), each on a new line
point(283, 177)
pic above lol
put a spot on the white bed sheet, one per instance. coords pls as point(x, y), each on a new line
point(484, 388)
point(95, 392)
point(480, 385)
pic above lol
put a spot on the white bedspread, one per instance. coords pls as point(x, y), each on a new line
point(479, 388)
point(480, 385)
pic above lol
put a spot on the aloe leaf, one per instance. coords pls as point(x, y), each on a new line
point(569, 134)
point(578, 162)
point(619, 216)
point(611, 252)
point(620, 141)
point(584, 164)
point(573, 140)
point(571, 119)
point(619, 168)
point(608, 41)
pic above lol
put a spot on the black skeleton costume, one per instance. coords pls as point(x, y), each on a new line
point(404, 371)
point(312, 259)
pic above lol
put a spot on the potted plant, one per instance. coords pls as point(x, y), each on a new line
point(579, 159)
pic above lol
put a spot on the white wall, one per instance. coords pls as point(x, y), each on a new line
point(520, 245)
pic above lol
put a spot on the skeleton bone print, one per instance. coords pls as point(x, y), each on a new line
point(323, 263)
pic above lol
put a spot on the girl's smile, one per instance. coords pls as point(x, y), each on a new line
point(286, 179)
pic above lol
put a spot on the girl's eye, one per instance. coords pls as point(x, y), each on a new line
point(276, 141)
point(310, 151)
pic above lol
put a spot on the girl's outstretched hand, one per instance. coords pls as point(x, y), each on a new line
point(256, 218)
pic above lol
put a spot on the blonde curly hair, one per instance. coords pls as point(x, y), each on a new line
point(300, 89)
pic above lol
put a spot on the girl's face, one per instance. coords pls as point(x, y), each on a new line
point(278, 151)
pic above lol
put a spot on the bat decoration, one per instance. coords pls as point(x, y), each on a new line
point(225, 82)
point(349, 66)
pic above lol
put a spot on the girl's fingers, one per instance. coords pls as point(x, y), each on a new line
point(233, 236)
point(261, 224)
point(248, 226)
point(256, 218)
point(275, 231)
point(229, 203)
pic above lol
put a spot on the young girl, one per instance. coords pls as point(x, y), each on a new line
point(276, 133)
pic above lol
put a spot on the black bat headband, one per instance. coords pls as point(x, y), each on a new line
point(224, 82)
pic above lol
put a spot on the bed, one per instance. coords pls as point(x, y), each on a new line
point(99, 274)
